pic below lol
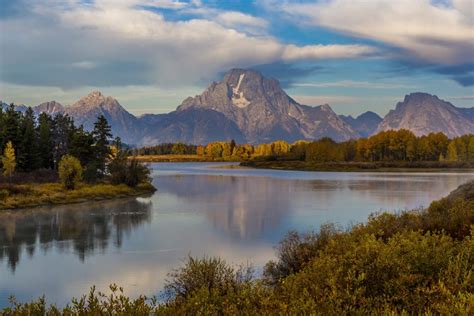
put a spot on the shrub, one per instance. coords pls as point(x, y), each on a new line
point(70, 171)
point(212, 275)
point(128, 171)
point(295, 250)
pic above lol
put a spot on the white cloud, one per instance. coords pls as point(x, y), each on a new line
point(309, 52)
point(234, 18)
point(437, 34)
point(111, 43)
point(352, 84)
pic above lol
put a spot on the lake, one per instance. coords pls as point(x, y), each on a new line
point(199, 209)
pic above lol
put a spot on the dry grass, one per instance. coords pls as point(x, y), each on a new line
point(31, 195)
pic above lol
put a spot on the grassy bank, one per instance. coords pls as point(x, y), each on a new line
point(415, 262)
point(423, 166)
point(39, 194)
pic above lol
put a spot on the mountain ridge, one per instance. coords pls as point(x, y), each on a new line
point(248, 107)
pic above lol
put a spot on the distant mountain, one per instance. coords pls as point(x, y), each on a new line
point(87, 109)
point(249, 108)
point(264, 112)
point(364, 124)
point(468, 113)
point(194, 126)
point(51, 108)
point(424, 113)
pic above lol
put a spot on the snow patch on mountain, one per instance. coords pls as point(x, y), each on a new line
point(238, 98)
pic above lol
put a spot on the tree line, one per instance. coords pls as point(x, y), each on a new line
point(400, 145)
point(33, 143)
point(164, 149)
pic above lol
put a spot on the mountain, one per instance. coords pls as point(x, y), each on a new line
point(249, 108)
point(264, 112)
point(364, 124)
point(194, 126)
point(424, 113)
point(51, 108)
point(87, 109)
point(468, 113)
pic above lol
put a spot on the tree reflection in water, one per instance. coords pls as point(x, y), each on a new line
point(84, 228)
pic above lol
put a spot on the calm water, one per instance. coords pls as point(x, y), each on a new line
point(199, 208)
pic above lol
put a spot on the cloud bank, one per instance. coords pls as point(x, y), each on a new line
point(110, 43)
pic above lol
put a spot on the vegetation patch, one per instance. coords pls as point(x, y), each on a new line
point(32, 195)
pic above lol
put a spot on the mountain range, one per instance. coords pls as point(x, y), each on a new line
point(250, 108)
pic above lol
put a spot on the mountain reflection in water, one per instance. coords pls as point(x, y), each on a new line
point(83, 228)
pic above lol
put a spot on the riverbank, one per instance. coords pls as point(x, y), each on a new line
point(424, 166)
point(29, 195)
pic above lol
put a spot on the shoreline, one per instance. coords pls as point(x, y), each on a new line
point(355, 167)
point(52, 194)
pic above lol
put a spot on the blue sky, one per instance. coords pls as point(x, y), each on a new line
point(355, 55)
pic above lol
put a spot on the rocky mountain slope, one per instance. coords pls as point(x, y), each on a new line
point(364, 124)
point(423, 113)
point(264, 112)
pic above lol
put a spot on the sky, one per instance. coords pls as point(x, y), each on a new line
point(355, 55)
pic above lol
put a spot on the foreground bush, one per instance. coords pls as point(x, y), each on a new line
point(70, 171)
point(417, 262)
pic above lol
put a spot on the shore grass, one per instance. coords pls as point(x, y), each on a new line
point(40, 194)
point(425, 166)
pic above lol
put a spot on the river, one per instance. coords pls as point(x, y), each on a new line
point(199, 209)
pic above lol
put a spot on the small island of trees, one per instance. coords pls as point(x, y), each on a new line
point(49, 160)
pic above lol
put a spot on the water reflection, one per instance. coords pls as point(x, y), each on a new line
point(248, 207)
point(83, 228)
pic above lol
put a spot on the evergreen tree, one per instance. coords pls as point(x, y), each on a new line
point(45, 141)
point(11, 130)
point(28, 156)
point(101, 134)
point(81, 146)
point(62, 130)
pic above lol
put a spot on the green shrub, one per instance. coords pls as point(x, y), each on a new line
point(212, 275)
point(128, 171)
point(70, 172)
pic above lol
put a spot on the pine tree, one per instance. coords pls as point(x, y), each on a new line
point(62, 130)
point(45, 141)
point(102, 134)
point(9, 160)
point(28, 156)
point(11, 120)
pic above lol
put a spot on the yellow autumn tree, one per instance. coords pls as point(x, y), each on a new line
point(9, 160)
point(70, 171)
